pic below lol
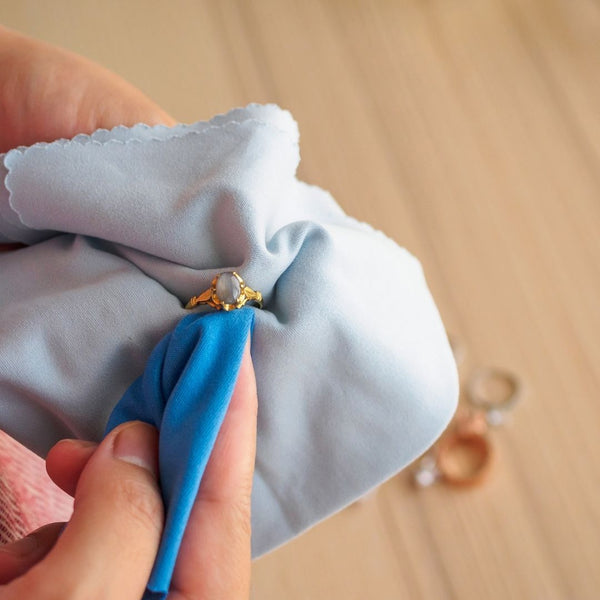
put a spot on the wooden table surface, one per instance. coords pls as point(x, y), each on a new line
point(469, 131)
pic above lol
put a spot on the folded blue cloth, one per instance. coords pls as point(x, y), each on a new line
point(185, 392)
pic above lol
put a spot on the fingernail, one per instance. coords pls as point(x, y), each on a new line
point(136, 444)
point(76, 442)
point(23, 547)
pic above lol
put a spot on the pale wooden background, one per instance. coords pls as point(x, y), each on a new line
point(469, 131)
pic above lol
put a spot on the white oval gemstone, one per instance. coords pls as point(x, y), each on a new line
point(228, 288)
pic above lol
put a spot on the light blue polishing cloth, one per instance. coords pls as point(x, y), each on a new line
point(184, 392)
point(354, 372)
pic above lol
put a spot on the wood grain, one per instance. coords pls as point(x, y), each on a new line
point(469, 131)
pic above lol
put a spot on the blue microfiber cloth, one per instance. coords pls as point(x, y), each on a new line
point(184, 392)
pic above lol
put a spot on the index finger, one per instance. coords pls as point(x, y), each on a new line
point(215, 556)
point(108, 548)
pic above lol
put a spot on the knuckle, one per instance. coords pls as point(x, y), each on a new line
point(41, 585)
point(244, 529)
point(44, 585)
point(241, 512)
point(139, 502)
point(235, 518)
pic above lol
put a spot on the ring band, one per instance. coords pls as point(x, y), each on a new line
point(494, 391)
point(227, 291)
point(463, 458)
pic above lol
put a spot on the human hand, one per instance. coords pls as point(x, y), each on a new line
point(108, 547)
point(48, 93)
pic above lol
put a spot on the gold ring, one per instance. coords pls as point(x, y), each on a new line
point(227, 292)
point(463, 457)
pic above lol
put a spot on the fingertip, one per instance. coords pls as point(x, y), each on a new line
point(137, 443)
point(69, 445)
point(116, 524)
point(66, 461)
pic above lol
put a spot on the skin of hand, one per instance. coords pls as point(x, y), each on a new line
point(47, 93)
point(108, 547)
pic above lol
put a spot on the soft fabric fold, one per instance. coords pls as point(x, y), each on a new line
point(185, 391)
point(354, 371)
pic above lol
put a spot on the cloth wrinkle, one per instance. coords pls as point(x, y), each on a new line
point(349, 339)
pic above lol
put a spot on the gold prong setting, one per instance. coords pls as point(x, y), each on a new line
point(228, 291)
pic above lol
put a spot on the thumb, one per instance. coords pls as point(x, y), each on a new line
point(108, 547)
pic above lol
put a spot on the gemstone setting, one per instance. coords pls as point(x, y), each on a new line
point(228, 288)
